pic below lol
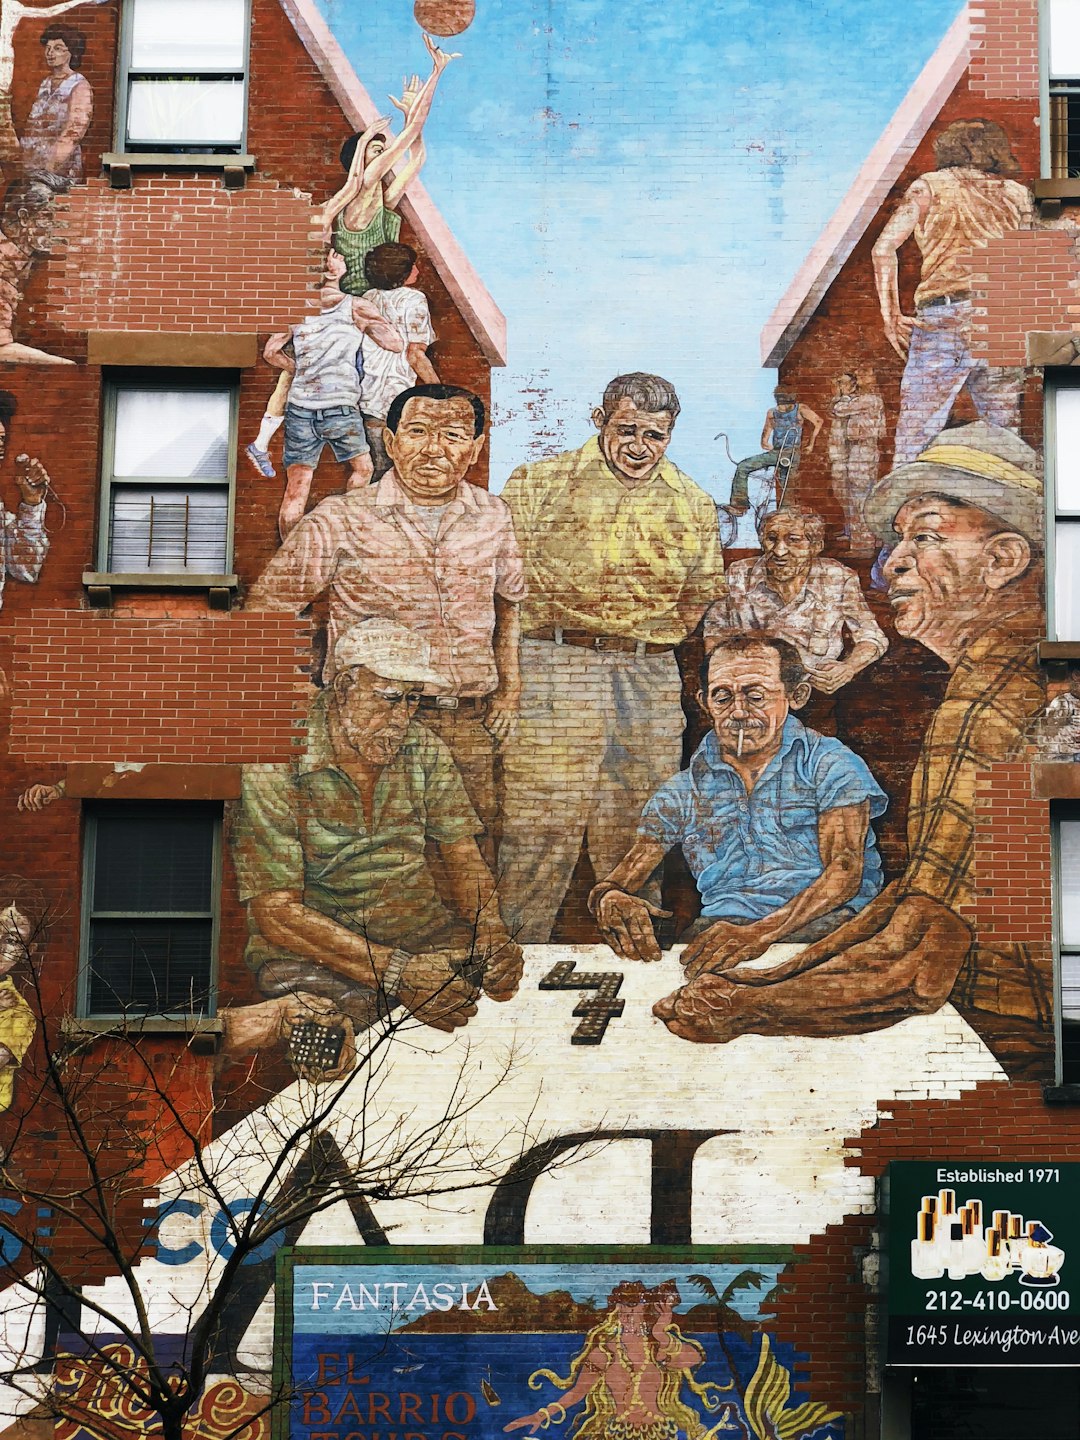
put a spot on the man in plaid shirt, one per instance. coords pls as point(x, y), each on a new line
point(964, 518)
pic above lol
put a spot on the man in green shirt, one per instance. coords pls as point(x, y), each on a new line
point(330, 852)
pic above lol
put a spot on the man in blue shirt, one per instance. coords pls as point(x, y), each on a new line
point(773, 819)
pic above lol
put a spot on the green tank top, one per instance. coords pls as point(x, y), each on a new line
point(353, 245)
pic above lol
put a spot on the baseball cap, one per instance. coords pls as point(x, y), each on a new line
point(389, 650)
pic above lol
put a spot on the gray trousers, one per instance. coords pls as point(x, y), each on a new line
point(598, 732)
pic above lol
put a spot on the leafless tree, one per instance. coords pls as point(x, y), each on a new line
point(106, 1138)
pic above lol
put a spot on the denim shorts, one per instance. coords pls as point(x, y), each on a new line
point(307, 431)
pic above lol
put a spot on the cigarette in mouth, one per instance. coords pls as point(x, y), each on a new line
point(742, 734)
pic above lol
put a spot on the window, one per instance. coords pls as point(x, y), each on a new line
point(1067, 898)
point(1063, 497)
point(185, 79)
point(150, 893)
point(169, 465)
point(1063, 71)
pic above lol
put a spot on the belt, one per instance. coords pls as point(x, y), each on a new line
point(330, 411)
point(454, 702)
point(944, 300)
point(588, 641)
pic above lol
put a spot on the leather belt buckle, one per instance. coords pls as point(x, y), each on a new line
point(446, 702)
point(558, 635)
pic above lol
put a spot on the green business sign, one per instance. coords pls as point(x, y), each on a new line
point(984, 1263)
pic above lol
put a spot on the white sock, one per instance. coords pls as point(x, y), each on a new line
point(271, 424)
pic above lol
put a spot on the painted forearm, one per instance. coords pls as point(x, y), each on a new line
point(472, 887)
point(422, 367)
point(634, 869)
point(506, 643)
point(837, 883)
point(286, 921)
point(865, 653)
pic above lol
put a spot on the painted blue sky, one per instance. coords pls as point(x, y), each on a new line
point(638, 182)
point(337, 1313)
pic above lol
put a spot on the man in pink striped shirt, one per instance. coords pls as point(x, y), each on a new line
point(426, 548)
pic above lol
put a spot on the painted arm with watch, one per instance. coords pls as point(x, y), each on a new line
point(426, 983)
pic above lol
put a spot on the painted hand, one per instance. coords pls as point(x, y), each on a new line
point(831, 676)
point(433, 991)
point(305, 1009)
point(898, 330)
point(32, 479)
point(506, 961)
point(439, 58)
point(410, 93)
point(625, 922)
point(37, 797)
point(502, 714)
point(701, 1011)
point(721, 947)
point(533, 1422)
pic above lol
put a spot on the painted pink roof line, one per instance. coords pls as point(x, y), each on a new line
point(880, 171)
point(467, 290)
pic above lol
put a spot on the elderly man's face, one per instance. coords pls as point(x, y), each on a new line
point(787, 548)
point(433, 447)
point(937, 573)
point(633, 441)
point(373, 714)
point(746, 701)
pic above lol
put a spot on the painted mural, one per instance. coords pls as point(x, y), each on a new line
point(616, 1348)
point(654, 795)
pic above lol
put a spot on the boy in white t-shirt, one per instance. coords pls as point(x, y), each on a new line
point(391, 272)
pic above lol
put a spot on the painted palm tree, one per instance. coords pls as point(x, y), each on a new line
point(766, 1397)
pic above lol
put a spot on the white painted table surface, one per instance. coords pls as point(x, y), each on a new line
point(777, 1176)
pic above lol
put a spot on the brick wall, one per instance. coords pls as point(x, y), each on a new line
point(1012, 848)
point(146, 689)
point(1030, 282)
point(160, 679)
point(1005, 64)
point(237, 261)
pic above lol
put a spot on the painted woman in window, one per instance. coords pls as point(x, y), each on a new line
point(62, 112)
point(12, 14)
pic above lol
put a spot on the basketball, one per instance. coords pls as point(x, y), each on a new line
point(444, 17)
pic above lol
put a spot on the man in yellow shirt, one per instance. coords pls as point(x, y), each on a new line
point(622, 557)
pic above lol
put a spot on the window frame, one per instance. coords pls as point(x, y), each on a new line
point(1054, 383)
point(149, 149)
point(135, 1016)
point(1046, 84)
point(165, 380)
point(1060, 810)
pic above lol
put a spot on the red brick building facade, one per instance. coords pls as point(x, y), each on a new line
point(741, 1134)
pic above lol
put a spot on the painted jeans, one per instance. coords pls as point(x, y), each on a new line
point(939, 365)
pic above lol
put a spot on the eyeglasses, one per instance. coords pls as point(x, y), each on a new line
point(390, 695)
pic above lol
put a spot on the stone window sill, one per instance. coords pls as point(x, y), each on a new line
point(1061, 1094)
point(100, 585)
point(205, 1034)
point(120, 165)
